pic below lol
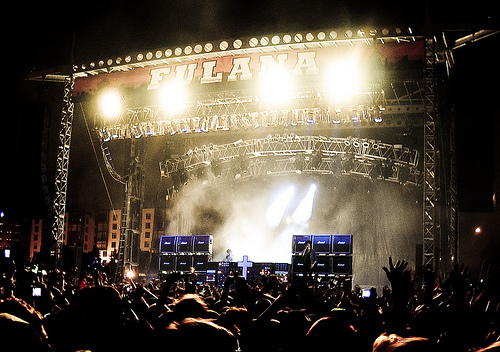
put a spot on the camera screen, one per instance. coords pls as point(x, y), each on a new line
point(6, 253)
point(366, 293)
point(37, 291)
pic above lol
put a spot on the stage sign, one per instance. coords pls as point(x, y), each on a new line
point(234, 71)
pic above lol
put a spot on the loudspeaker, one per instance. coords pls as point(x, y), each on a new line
point(342, 244)
point(342, 264)
point(322, 244)
point(202, 244)
point(297, 264)
point(299, 242)
point(183, 262)
point(323, 265)
point(167, 244)
point(184, 244)
point(167, 263)
point(200, 262)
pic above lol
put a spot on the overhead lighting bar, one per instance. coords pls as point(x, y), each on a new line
point(271, 43)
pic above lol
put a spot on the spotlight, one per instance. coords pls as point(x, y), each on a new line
point(110, 103)
point(180, 178)
point(304, 210)
point(387, 169)
point(130, 274)
point(376, 170)
point(299, 163)
point(404, 175)
point(216, 167)
point(348, 162)
point(316, 160)
point(343, 80)
point(173, 96)
point(276, 86)
point(378, 115)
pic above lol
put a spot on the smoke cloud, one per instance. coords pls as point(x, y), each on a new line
point(384, 219)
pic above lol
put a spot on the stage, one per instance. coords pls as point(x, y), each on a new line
point(340, 124)
point(383, 218)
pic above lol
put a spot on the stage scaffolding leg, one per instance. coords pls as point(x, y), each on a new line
point(430, 192)
point(129, 244)
point(61, 178)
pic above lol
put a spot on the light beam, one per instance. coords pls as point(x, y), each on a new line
point(275, 212)
point(304, 210)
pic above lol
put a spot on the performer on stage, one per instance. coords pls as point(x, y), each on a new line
point(229, 256)
point(309, 260)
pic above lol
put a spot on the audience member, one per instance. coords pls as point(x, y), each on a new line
point(415, 313)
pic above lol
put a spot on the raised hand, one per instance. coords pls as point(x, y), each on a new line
point(400, 277)
point(397, 273)
point(458, 283)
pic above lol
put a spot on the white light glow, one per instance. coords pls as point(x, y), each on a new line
point(110, 104)
point(173, 96)
point(276, 86)
point(275, 212)
point(343, 81)
point(304, 210)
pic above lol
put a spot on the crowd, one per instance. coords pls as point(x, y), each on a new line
point(63, 312)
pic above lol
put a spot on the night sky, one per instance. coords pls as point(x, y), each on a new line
point(49, 34)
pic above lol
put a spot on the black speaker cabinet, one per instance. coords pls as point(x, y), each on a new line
point(202, 244)
point(322, 244)
point(299, 242)
point(342, 264)
point(342, 244)
point(167, 244)
point(184, 244)
point(167, 263)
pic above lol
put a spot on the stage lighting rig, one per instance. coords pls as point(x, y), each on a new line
point(172, 96)
point(276, 86)
point(343, 81)
point(110, 103)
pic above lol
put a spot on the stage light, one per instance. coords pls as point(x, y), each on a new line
point(130, 274)
point(173, 96)
point(316, 160)
point(343, 81)
point(276, 85)
point(110, 103)
point(274, 214)
point(299, 163)
point(304, 210)
point(216, 167)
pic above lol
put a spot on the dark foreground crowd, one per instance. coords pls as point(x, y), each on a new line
point(417, 313)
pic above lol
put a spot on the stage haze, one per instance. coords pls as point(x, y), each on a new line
point(384, 218)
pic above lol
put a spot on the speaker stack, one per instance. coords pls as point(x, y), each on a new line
point(333, 254)
point(180, 253)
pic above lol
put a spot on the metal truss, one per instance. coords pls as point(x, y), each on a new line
point(128, 248)
point(287, 154)
point(235, 110)
point(61, 178)
point(430, 192)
